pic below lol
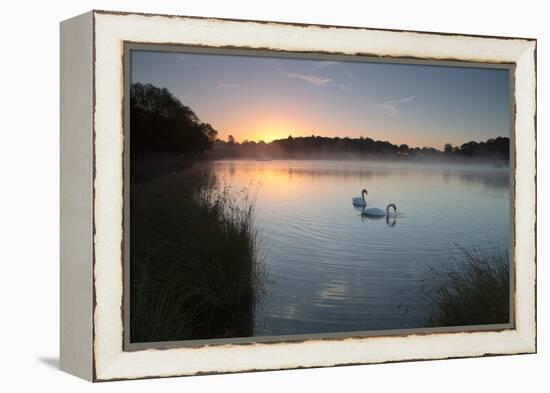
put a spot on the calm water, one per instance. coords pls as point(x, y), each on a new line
point(331, 270)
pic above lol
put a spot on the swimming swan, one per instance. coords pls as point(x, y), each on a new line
point(360, 201)
point(377, 212)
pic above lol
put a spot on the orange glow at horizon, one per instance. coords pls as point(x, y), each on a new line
point(270, 134)
point(279, 120)
point(265, 126)
point(267, 134)
point(264, 98)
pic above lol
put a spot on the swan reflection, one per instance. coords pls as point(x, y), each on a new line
point(391, 219)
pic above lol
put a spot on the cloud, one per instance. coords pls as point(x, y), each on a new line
point(341, 86)
point(183, 57)
point(315, 80)
point(391, 107)
point(186, 59)
point(338, 64)
point(309, 78)
point(322, 64)
point(225, 85)
point(400, 101)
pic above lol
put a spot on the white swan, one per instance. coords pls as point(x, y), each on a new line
point(377, 212)
point(360, 201)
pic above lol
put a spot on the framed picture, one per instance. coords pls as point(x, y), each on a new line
point(245, 195)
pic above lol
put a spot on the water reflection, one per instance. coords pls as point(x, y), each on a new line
point(484, 175)
point(391, 220)
point(331, 269)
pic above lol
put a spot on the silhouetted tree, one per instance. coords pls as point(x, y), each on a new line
point(469, 149)
point(448, 148)
point(209, 131)
point(160, 123)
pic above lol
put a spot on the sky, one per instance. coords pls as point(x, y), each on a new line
point(266, 98)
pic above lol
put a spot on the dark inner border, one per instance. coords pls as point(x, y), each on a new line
point(263, 52)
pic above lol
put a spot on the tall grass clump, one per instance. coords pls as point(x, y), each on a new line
point(195, 269)
point(472, 289)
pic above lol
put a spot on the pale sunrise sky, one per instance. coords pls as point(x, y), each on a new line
point(266, 98)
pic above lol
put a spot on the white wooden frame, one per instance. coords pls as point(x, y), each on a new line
point(92, 87)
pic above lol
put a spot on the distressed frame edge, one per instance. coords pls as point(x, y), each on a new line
point(76, 207)
point(299, 338)
point(527, 339)
point(305, 25)
point(526, 134)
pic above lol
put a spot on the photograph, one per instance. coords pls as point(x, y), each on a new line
point(279, 196)
point(217, 197)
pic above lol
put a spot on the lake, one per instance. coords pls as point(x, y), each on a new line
point(328, 269)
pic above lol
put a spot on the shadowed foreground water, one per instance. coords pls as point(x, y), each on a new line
point(331, 270)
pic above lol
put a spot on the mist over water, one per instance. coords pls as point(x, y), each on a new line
point(331, 270)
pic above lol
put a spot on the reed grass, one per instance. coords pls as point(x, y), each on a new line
point(196, 266)
point(472, 289)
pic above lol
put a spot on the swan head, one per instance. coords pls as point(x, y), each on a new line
point(391, 205)
point(363, 193)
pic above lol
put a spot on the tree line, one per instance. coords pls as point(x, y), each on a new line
point(320, 146)
point(161, 125)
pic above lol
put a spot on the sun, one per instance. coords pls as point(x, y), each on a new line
point(271, 133)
